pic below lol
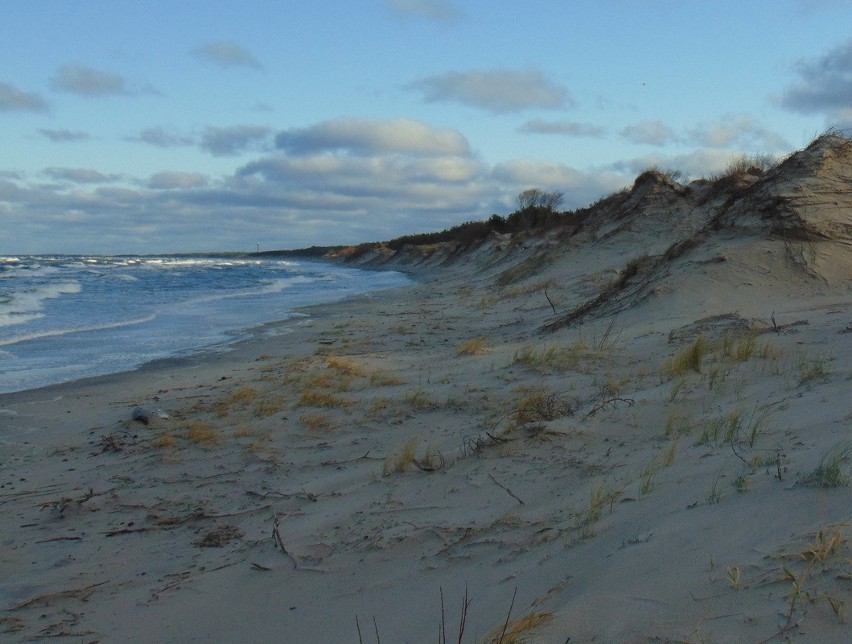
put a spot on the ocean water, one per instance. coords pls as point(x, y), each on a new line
point(68, 317)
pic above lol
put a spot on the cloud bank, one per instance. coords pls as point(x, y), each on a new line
point(370, 136)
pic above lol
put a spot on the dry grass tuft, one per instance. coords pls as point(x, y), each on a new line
point(164, 441)
point(268, 407)
point(517, 630)
point(203, 433)
point(318, 422)
point(347, 366)
point(472, 347)
point(538, 406)
point(322, 399)
point(399, 462)
point(685, 360)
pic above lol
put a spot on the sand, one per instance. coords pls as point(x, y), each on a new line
point(592, 435)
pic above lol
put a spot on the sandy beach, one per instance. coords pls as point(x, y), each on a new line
point(633, 431)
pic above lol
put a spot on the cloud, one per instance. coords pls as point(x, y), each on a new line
point(698, 163)
point(824, 85)
point(564, 128)
point(740, 130)
point(580, 188)
point(228, 141)
point(79, 175)
point(437, 10)
point(649, 133)
point(344, 174)
point(85, 81)
point(227, 54)
point(12, 98)
point(64, 136)
point(369, 136)
point(497, 91)
point(176, 180)
point(159, 137)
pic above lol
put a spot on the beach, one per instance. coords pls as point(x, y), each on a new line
point(635, 431)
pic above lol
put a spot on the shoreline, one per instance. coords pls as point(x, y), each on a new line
point(240, 335)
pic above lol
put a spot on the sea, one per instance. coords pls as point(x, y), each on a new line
point(69, 317)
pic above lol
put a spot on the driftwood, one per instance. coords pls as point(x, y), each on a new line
point(45, 600)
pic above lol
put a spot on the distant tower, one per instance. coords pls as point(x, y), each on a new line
point(258, 247)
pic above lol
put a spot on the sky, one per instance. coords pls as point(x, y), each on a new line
point(214, 125)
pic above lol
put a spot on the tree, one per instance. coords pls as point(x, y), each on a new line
point(537, 198)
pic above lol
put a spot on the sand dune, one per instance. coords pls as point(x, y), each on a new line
point(632, 429)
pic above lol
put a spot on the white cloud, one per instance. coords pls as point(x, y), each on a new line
point(502, 90)
point(227, 54)
point(649, 133)
point(699, 163)
point(12, 98)
point(739, 130)
point(580, 187)
point(368, 136)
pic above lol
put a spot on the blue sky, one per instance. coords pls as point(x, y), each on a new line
point(144, 127)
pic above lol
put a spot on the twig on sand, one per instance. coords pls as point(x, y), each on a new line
point(365, 457)
point(549, 301)
point(283, 495)
point(279, 542)
point(607, 402)
point(75, 593)
point(508, 491)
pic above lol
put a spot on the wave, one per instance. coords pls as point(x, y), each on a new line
point(25, 306)
point(39, 335)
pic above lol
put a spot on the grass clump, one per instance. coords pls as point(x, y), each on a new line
point(688, 359)
point(268, 407)
point(473, 347)
point(202, 432)
point(406, 459)
point(324, 399)
point(833, 469)
point(419, 400)
point(317, 423)
point(538, 406)
point(811, 370)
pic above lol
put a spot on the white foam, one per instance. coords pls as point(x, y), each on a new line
point(25, 306)
point(37, 335)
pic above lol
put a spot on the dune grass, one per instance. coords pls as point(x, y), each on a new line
point(202, 433)
point(473, 347)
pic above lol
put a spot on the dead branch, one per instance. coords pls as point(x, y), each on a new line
point(609, 402)
point(279, 542)
point(503, 487)
point(75, 593)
